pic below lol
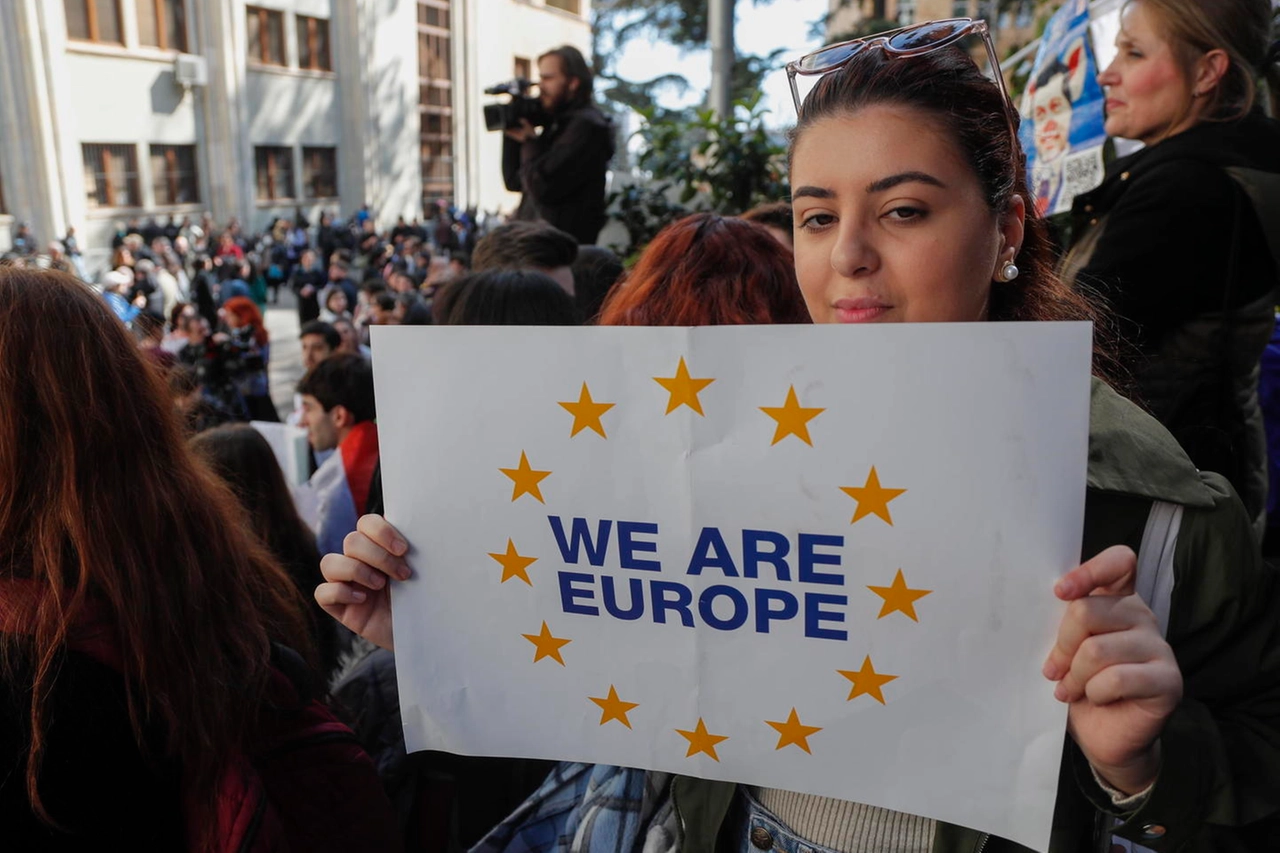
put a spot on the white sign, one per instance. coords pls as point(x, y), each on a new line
point(811, 558)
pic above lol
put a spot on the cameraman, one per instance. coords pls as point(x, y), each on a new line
point(562, 170)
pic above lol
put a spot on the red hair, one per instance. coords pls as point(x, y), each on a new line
point(192, 598)
point(708, 270)
point(248, 315)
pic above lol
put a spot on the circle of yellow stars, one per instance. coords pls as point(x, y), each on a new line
point(791, 420)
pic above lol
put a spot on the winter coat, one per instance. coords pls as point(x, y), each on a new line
point(562, 172)
point(1183, 240)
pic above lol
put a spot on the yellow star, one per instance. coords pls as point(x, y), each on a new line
point(899, 598)
point(514, 565)
point(867, 681)
point(614, 708)
point(683, 389)
point(586, 413)
point(872, 498)
point(526, 479)
point(547, 646)
point(700, 740)
point(793, 732)
point(792, 418)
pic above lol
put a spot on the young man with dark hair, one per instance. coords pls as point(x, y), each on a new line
point(338, 412)
point(319, 341)
point(533, 246)
point(562, 170)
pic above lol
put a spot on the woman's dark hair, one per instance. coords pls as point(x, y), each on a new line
point(244, 460)
point(595, 272)
point(574, 64)
point(948, 86)
point(505, 298)
point(416, 310)
point(130, 526)
point(175, 314)
point(708, 270)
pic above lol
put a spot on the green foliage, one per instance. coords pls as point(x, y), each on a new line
point(726, 165)
point(644, 210)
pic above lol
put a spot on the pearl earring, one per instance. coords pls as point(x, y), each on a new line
point(1009, 272)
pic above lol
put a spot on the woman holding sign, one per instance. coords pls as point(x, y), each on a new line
point(1183, 237)
point(910, 206)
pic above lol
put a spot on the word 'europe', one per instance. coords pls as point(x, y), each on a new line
point(721, 606)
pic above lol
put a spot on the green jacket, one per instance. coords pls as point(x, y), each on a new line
point(1219, 785)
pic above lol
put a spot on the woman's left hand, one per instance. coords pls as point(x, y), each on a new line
point(1115, 670)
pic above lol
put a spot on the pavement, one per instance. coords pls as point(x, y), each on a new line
point(286, 352)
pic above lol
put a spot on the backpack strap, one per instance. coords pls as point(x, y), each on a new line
point(1154, 581)
point(1154, 584)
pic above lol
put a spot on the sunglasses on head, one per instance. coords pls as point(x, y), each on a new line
point(906, 42)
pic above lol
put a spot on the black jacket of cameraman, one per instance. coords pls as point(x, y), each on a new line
point(562, 172)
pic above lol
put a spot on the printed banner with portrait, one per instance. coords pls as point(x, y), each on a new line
point(1063, 113)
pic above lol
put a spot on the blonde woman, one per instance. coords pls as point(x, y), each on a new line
point(1176, 237)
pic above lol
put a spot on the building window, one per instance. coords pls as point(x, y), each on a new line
point(960, 9)
point(111, 175)
point(433, 56)
point(320, 172)
point(433, 16)
point(174, 178)
point(566, 5)
point(435, 106)
point(906, 12)
point(523, 68)
point(94, 20)
point(313, 44)
point(163, 24)
point(266, 36)
point(274, 167)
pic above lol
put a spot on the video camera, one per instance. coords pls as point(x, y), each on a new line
point(505, 116)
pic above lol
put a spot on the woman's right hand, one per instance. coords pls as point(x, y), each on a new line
point(357, 580)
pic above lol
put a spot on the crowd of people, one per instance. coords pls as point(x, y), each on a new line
point(175, 617)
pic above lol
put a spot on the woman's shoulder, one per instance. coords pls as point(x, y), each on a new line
point(1130, 453)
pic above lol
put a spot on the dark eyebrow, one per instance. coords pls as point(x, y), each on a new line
point(812, 192)
point(904, 178)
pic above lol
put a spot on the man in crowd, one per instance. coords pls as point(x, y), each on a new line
point(306, 281)
point(562, 170)
point(340, 275)
point(319, 341)
point(528, 246)
point(337, 413)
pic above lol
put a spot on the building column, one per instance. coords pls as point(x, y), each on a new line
point(30, 164)
point(219, 25)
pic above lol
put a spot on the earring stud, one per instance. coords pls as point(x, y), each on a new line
point(1009, 272)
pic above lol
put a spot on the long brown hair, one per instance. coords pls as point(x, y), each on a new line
point(243, 458)
point(708, 270)
point(105, 511)
point(947, 84)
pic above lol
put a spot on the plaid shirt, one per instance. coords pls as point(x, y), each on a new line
point(591, 808)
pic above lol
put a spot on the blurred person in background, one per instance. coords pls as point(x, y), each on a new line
point(1183, 238)
point(244, 460)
